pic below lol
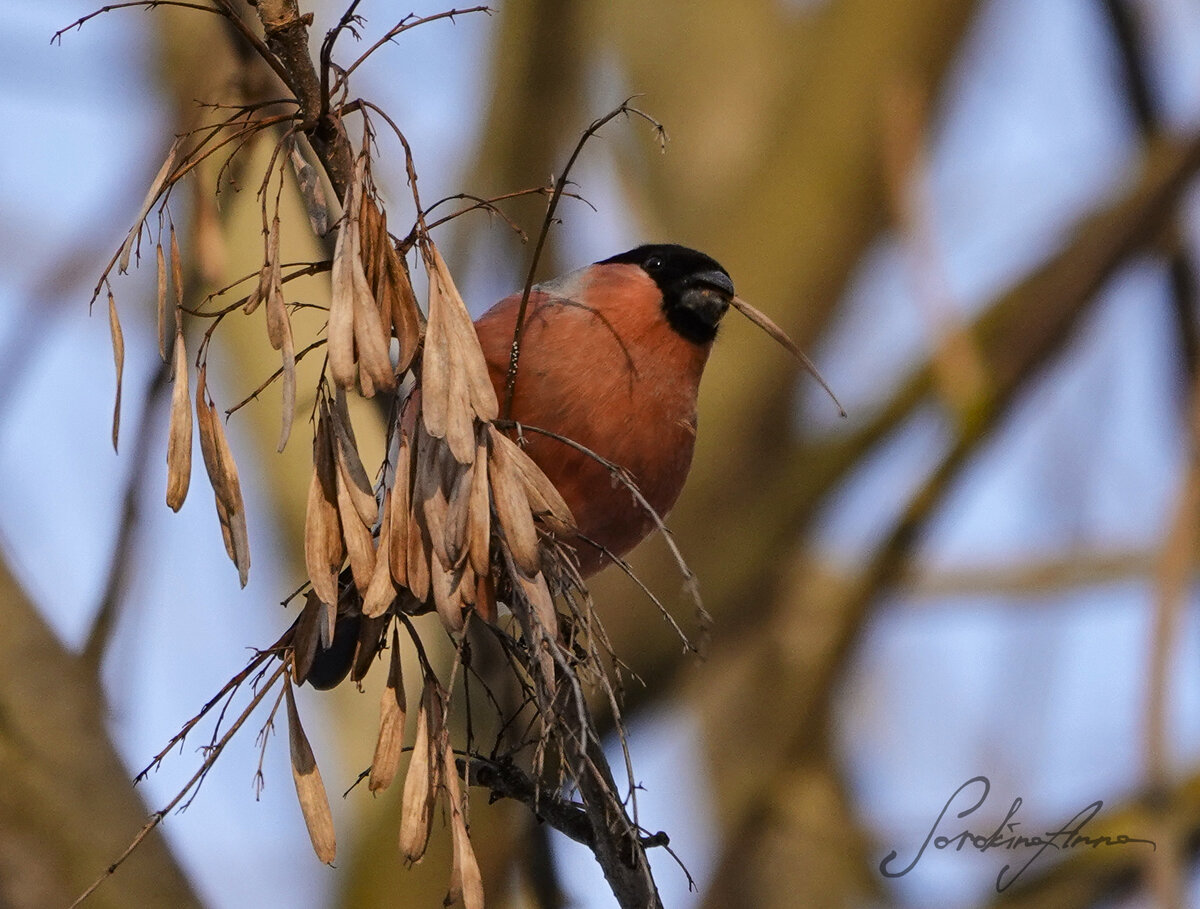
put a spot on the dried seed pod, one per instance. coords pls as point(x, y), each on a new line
point(392, 707)
point(176, 275)
point(279, 332)
point(405, 314)
point(370, 641)
point(456, 541)
point(479, 520)
point(400, 503)
point(161, 300)
point(421, 781)
point(310, 790)
point(512, 503)
point(485, 597)
point(763, 321)
point(464, 585)
point(157, 185)
point(118, 348)
point(466, 883)
point(223, 475)
point(359, 545)
point(340, 332)
point(433, 506)
point(381, 591)
point(374, 359)
point(311, 190)
point(179, 434)
point(306, 637)
point(541, 624)
point(466, 344)
point(326, 624)
point(454, 374)
point(350, 466)
point(544, 499)
point(449, 607)
point(356, 328)
point(324, 549)
point(417, 551)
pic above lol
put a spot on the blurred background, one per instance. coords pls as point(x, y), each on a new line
point(981, 221)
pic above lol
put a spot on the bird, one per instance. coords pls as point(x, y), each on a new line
point(611, 357)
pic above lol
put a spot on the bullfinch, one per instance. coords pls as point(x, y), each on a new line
point(610, 357)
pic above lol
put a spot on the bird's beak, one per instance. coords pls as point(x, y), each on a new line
point(708, 295)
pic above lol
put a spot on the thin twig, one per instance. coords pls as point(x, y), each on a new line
point(156, 818)
point(560, 186)
point(408, 22)
point(56, 38)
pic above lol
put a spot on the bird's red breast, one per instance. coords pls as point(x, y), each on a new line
point(602, 364)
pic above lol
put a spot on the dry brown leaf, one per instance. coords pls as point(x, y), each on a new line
point(118, 348)
point(420, 783)
point(512, 503)
point(324, 549)
point(223, 475)
point(390, 743)
point(179, 433)
point(156, 187)
point(161, 299)
point(310, 790)
point(466, 882)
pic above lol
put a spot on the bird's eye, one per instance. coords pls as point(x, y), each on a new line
point(654, 263)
